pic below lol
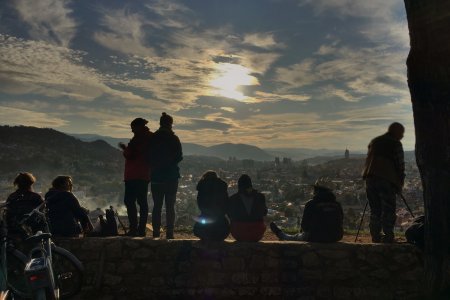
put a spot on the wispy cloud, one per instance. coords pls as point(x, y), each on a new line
point(16, 116)
point(48, 20)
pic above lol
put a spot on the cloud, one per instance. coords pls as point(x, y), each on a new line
point(199, 124)
point(41, 68)
point(49, 20)
point(15, 116)
point(261, 40)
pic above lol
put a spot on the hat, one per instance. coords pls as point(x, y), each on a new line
point(165, 120)
point(244, 182)
point(138, 122)
point(324, 183)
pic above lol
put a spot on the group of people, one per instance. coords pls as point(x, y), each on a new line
point(65, 215)
point(153, 157)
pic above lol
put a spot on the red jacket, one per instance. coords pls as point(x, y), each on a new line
point(136, 158)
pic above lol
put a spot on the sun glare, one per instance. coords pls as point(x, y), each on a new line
point(230, 77)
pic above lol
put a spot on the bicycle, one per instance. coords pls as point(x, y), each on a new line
point(52, 272)
point(12, 264)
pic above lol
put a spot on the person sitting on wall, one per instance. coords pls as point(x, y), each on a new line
point(246, 210)
point(212, 197)
point(66, 216)
point(20, 203)
point(322, 218)
point(415, 233)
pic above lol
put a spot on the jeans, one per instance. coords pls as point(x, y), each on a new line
point(164, 191)
point(381, 195)
point(136, 190)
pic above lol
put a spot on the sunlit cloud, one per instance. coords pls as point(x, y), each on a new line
point(16, 116)
point(230, 77)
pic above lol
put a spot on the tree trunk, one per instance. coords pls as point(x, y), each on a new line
point(429, 83)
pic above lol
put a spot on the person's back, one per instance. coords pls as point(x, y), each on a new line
point(323, 218)
point(212, 198)
point(18, 205)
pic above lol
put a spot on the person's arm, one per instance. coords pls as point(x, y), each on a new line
point(178, 153)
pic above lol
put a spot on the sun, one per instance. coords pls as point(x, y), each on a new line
point(230, 77)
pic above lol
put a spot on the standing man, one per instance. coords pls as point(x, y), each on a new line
point(137, 176)
point(384, 173)
point(165, 154)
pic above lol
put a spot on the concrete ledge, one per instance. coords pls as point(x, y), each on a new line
point(142, 268)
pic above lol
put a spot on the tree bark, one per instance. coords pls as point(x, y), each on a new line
point(429, 83)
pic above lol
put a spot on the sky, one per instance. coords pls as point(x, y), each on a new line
point(271, 73)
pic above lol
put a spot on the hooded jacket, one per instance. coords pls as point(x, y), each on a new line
point(237, 210)
point(212, 197)
point(323, 218)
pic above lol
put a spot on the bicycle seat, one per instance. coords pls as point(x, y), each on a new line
point(39, 236)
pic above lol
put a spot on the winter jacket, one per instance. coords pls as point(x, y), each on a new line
point(65, 213)
point(237, 210)
point(18, 205)
point(385, 159)
point(136, 157)
point(165, 154)
point(212, 197)
point(323, 218)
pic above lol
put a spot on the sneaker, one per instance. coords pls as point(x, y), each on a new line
point(275, 229)
point(132, 233)
point(169, 236)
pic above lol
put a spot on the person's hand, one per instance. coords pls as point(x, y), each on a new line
point(122, 146)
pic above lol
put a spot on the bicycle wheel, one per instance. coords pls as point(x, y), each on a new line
point(68, 272)
point(15, 264)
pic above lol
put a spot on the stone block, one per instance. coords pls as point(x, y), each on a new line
point(271, 291)
point(114, 249)
point(141, 253)
point(157, 281)
point(233, 264)
point(333, 254)
point(244, 278)
point(271, 278)
point(257, 262)
point(126, 267)
point(111, 280)
point(247, 291)
point(310, 260)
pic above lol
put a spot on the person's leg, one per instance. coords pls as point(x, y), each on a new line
point(158, 198)
point(130, 203)
point(388, 216)
point(372, 190)
point(143, 206)
point(284, 236)
point(170, 198)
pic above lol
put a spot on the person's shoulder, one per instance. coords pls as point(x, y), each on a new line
point(235, 197)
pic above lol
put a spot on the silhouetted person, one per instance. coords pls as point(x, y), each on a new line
point(246, 210)
point(415, 233)
point(384, 173)
point(322, 217)
point(212, 199)
point(137, 176)
point(65, 215)
point(20, 203)
point(165, 154)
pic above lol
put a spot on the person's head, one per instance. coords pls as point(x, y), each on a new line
point(324, 184)
point(24, 181)
point(63, 183)
point(245, 183)
point(166, 120)
point(396, 130)
point(138, 124)
point(209, 175)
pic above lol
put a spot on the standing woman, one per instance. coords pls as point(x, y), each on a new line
point(212, 198)
point(21, 202)
point(165, 154)
point(66, 216)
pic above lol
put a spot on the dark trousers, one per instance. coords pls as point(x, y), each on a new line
point(136, 190)
point(382, 196)
point(165, 191)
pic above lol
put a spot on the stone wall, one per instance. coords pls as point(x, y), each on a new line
point(142, 268)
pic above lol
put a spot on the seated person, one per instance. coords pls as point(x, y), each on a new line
point(212, 199)
point(322, 218)
point(246, 210)
point(20, 203)
point(415, 234)
point(64, 211)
